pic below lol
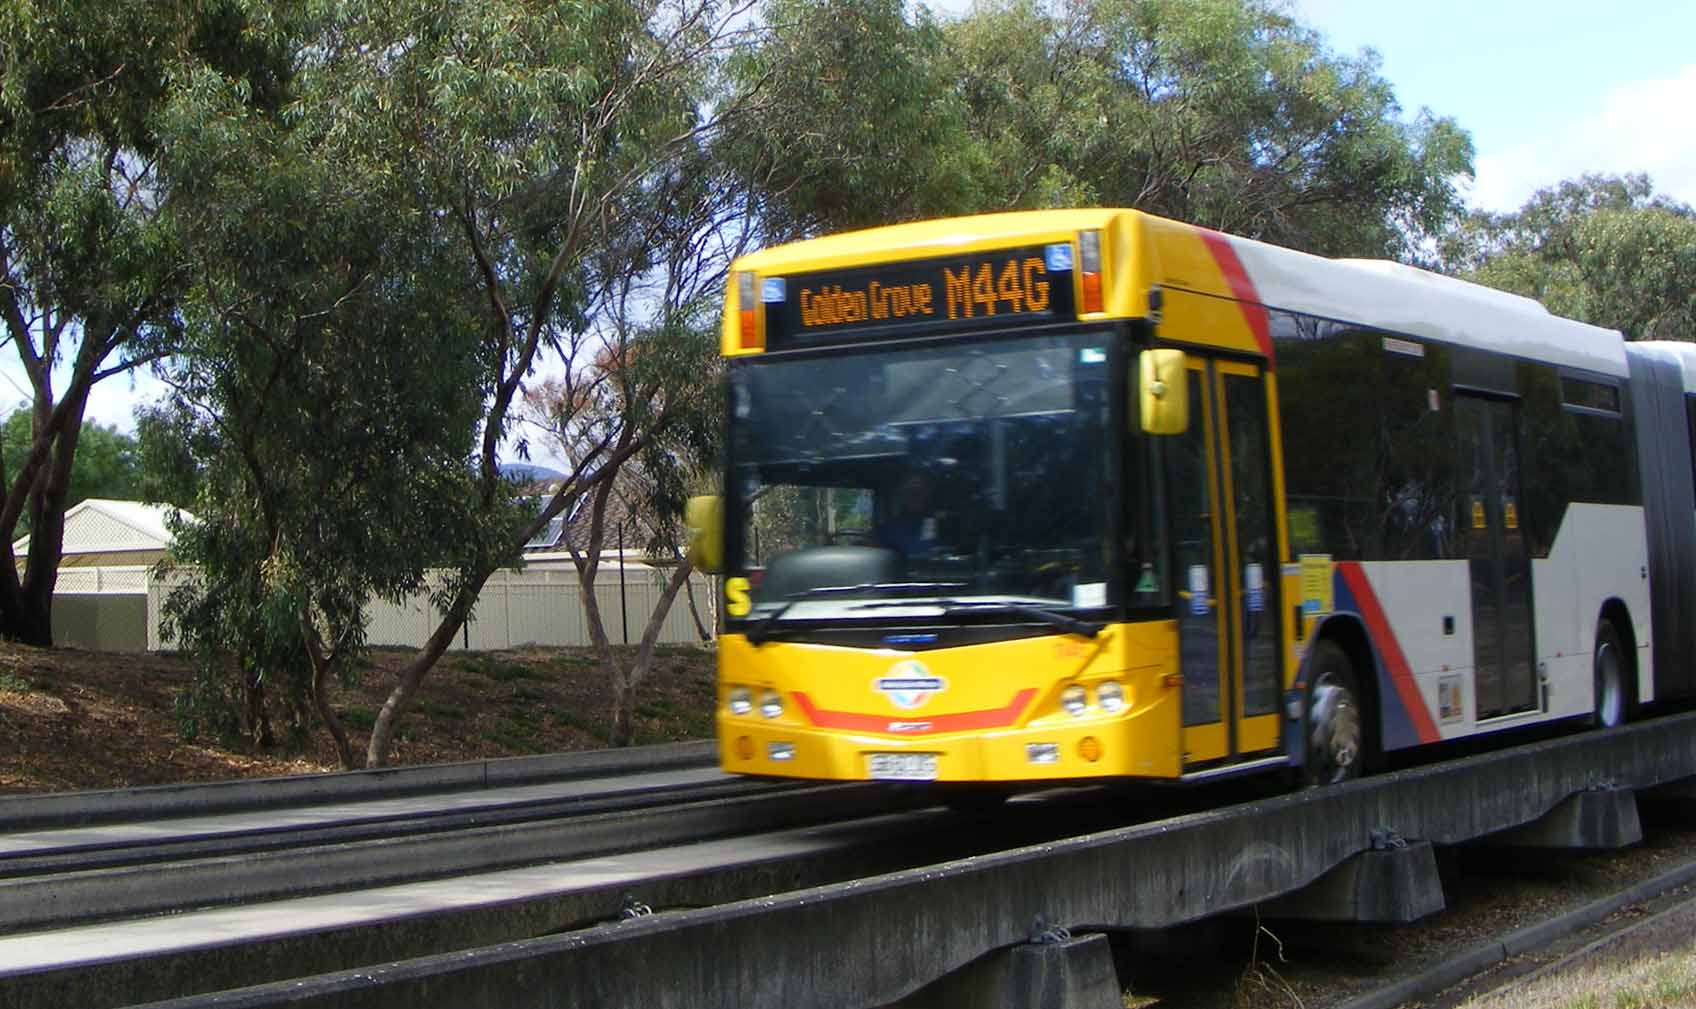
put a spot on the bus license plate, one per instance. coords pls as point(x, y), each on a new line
point(903, 766)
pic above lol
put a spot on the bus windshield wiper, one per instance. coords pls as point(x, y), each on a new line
point(1069, 624)
point(757, 634)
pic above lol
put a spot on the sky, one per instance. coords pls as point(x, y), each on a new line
point(1548, 89)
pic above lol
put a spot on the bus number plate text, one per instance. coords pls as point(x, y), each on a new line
point(902, 766)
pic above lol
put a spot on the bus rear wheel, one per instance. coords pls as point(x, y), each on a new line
point(1609, 663)
point(1335, 729)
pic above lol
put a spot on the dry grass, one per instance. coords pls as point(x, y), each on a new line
point(1660, 981)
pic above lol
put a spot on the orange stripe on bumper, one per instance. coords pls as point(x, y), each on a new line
point(962, 721)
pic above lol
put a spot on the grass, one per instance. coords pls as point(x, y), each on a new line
point(596, 728)
point(1660, 981)
point(358, 717)
point(503, 672)
point(442, 709)
point(511, 741)
point(15, 684)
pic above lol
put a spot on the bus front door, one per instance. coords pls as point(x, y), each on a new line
point(1223, 520)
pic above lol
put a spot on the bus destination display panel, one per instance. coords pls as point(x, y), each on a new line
point(974, 291)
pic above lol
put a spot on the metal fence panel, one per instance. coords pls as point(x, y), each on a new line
point(540, 607)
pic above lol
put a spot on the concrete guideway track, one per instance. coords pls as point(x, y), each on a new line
point(153, 956)
point(59, 899)
point(70, 809)
point(91, 830)
point(129, 842)
point(874, 940)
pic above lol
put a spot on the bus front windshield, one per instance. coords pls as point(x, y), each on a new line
point(954, 471)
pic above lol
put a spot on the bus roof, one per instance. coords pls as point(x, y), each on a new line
point(1681, 355)
point(922, 239)
point(1373, 293)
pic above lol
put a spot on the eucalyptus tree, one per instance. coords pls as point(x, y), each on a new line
point(529, 129)
point(1602, 248)
point(90, 262)
point(1225, 113)
point(653, 381)
point(108, 462)
point(324, 391)
point(859, 119)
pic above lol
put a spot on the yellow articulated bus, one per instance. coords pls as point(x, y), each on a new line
point(1076, 494)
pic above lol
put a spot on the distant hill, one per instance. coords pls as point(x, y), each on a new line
point(529, 472)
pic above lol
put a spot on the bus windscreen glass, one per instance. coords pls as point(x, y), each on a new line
point(977, 467)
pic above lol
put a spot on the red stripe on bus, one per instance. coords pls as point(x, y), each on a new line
point(1401, 676)
point(1242, 288)
point(992, 718)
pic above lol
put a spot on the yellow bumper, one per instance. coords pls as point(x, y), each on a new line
point(1048, 750)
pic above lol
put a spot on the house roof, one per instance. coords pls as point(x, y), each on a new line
point(572, 529)
point(102, 525)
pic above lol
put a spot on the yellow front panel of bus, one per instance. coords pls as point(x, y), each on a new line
point(985, 712)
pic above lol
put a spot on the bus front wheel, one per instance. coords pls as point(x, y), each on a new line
point(1336, 736)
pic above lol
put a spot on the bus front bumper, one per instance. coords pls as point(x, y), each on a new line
point(1087, 748)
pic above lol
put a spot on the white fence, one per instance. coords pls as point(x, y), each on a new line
point(546, 608)
point(101, 608)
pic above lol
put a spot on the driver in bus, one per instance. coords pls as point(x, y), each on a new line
point(910, 527)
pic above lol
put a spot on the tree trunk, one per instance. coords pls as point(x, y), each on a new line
point(702, 630)
point(32, 620)
point(623, 710)
point(322, 666)
point(628, 679)
point(258, 719)
point(382, 733)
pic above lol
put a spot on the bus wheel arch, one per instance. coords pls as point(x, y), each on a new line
point(1340, 670)
point(1613, 666)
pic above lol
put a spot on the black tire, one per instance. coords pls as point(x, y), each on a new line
point(1334, 723)
point(1610, 665)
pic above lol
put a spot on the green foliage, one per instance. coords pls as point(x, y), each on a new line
point(108, 463)
point(1226, 113)
point(1602, 249)
point(15, 684)
point(327, 390)
point(91, 256)
point(859, 118)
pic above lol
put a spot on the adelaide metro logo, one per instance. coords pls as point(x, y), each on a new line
point(909, 684)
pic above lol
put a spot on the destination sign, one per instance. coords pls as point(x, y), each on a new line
point(977, 290)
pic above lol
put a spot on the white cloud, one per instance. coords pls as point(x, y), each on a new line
point(1641, 127)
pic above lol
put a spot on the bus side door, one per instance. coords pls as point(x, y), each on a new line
point(1223, 522)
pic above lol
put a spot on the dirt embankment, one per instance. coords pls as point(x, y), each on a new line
point(72, 719)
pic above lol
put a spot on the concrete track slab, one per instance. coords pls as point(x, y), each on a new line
point(135, 833)
point(80, 947)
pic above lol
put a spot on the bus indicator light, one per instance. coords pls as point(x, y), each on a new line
point(1089, 264)
point(748, 331)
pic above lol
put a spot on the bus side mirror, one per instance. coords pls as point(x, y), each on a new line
point(1163, 390)
point(704, 516)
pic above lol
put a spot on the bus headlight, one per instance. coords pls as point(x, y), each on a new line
point(1111, 696)
point(1075, 700)
point(771, 705)
point(741, 702)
